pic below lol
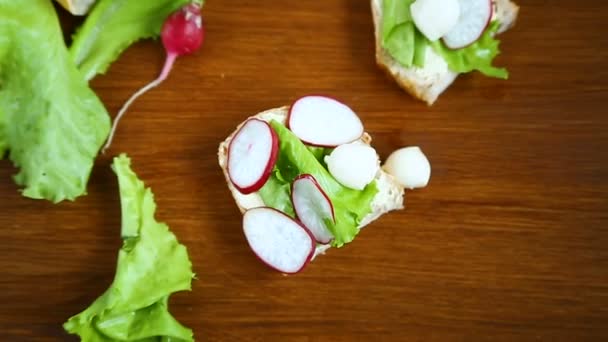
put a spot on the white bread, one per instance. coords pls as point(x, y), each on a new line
point(429, 82)
point(390, 194)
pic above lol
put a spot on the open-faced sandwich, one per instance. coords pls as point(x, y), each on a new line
point(306, 178)
point(425, 44)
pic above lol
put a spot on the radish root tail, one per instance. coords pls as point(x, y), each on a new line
point(163, 75)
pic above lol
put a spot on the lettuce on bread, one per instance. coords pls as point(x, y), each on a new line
point(342, 209)
point(426, 68)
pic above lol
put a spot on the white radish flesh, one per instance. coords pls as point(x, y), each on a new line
point(313, 207)
point(409, 166)
point(323, 121)
point(435, 18)
point(475, 16)
point(251, 155)
point(353, 165)
point(277, 240)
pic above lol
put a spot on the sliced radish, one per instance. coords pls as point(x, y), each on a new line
point(278, 240)
point(313, 207)
point(323, 121)
point(251, 155)
point(435, 18)
point(475, 16)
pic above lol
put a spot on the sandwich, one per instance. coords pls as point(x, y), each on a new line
point(306, 178)
point(424, 45)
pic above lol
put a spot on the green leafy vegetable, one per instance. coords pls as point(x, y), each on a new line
point(113, 25)
point(350, 206)
point(408, 46)
point(399, 34)
point(151, 266)
point(50, 120)
point(477, 56)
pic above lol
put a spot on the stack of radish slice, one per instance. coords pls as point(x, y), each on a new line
point(313, 207)
point(459, 23)
point(281, 242)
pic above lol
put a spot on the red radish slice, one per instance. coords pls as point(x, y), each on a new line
point(475, 16)
point(251, 155)
point(278, 240)
point(323, 121)
point(182, 34)
point(312, 206)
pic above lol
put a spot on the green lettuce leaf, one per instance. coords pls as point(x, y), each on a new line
point(112, 26)
point(50, 120)
point(477, 56)
point(404, 42)
point(294, 158)
point(399, 34)
point(151, 266)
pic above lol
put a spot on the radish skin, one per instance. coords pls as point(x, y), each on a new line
point(277, 240)
point(312, 207)
point(182, 34)
point(252, 154)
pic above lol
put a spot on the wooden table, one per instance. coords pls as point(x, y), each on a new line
point(508, 241)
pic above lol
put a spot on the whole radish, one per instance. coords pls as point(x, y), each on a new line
point(182, 34)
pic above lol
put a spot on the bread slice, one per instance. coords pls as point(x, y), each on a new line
point(429, 82)
point(390, 194)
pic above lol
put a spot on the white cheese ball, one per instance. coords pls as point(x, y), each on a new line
point(435, 18)
point(409, 166)
point(353, 165)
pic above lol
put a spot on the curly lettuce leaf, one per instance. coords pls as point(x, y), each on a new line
point(52, 123)
point(112, 26)
point(151, 266)
point(408, 46)
point(294, 158)
point(477, 56)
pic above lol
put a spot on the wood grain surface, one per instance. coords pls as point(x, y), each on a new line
point(507, 243)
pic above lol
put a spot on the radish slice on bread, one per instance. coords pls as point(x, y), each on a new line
point(278, 240)
point(323, 121)
point(435, 18)
point(252, 154)
point(313, 207)
point(475, 16)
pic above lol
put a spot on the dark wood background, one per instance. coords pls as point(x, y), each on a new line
point(508, 241)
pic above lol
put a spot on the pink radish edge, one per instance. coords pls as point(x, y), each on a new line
point(313, 245)
point(331, 205)
point(182, 34)
point(274, 151)
point(287, 120)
